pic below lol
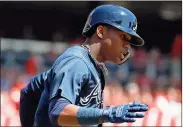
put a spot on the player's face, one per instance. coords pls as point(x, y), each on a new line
point(115, 45)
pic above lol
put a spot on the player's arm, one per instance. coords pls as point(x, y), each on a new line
point(62, 113)
point(29, 98)
point(36, 85)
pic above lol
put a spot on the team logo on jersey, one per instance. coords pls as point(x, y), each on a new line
point(94, 94)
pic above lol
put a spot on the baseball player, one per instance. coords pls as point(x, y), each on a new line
point(71, 92)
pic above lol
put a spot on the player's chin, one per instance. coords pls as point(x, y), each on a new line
point(118, 61)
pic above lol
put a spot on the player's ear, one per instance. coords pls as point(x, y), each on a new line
point(100, 31)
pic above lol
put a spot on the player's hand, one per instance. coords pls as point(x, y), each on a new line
point(125, 113)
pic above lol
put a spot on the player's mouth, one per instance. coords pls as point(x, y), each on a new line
point(122, 56)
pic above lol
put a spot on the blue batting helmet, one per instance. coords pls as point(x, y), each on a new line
point(116, 16)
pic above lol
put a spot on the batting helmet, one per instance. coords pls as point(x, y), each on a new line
point(116, 16)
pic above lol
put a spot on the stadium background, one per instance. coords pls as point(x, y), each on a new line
point(34, 34)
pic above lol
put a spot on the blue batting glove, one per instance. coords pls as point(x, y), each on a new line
point(125, 113)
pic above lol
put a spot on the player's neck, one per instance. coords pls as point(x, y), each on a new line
point(95, 50)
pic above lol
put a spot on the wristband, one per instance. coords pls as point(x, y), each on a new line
point(89, 116)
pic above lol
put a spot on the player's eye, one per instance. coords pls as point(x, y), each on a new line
point(125, 38)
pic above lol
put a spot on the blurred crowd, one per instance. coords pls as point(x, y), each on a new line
point(149, 77)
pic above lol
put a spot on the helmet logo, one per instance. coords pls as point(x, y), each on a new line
point(134, 26)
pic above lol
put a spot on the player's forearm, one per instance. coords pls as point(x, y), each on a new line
point(73, 115)
point(68, 116)
point(63, 113)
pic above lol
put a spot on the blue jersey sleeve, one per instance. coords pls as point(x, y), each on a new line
point(68, 78)
point(36, 85)
point(29, 98)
